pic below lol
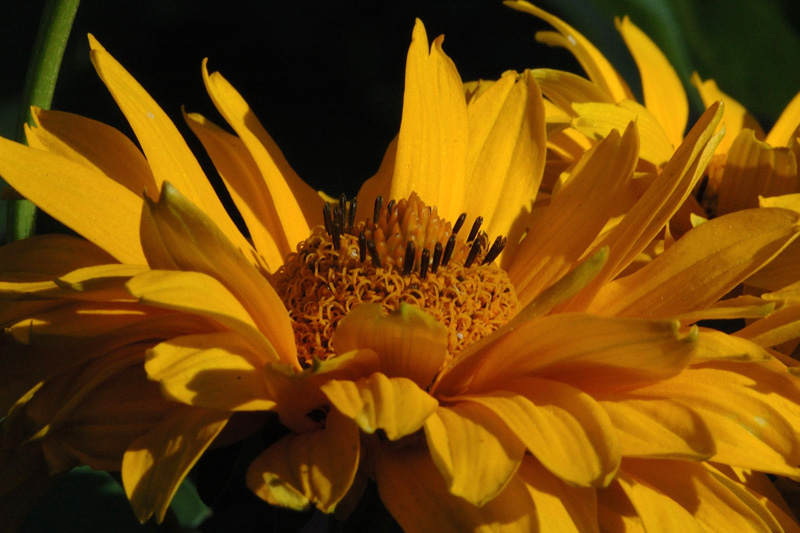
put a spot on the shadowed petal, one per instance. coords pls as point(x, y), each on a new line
point(735, 118)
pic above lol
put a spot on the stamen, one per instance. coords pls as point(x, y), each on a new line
point(351, 218)
point(373, 253)
point(326, 217)
point(448, 250)
point(408, 263)
point(362, 246)
point(473, 253)
point(437, 256)
point(376, 215)
point(343, 208)
point(459, 222)
point(337, 227)
point(423, 267)
point(494, 251)
point(389, 209)
point(475, 227)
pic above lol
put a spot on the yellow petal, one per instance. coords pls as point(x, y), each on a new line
point(738, 307)
point(156, 463)
point(597, 120)
point(663, 91)
point(702, 266)
point(567, 228)
point(415, 494)
point(169, 157)
point(564, 88)
point(410, 343)
point(176, 234)
point(561, 506)
point(781, 326)
point(215, 370)
point(754, 169)
point(93, 145)
point(658, 428)
point(564, 428)
point(735, 119)
point(714, 345)
point(476, 453)
point(506, 155)
point(200, 294)
point(298, 207)
point(246, 187)
point(395, 405)
point(593, 62)
point(432, 144)
point(317, 467)
point(665, 492)
point(100, 209)
point(49, 256)
point(785, 129)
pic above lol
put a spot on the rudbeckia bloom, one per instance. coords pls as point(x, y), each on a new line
point(531, 381)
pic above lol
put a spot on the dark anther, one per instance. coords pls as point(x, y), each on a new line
point(362, 246)
point(376, 215)
point(336, 226)
point(475, 227)
point(351, 214)
point(423, 267)
point(448, 250)
point(343, 207)
point(459, 222)
point(373, 253)
point(473, 253)
point(494, 251)
point(408, 263)
point(326, 217)
point(389, 210)
point(437, 256)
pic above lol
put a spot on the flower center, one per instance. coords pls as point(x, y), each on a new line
point(404, 253)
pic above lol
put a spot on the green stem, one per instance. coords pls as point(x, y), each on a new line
point(40, 83)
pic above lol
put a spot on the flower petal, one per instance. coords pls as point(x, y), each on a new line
point(663, 91)
point(564, 88)
point(715, 345)
point(297, 205)
point(395, 405)
point(49, 256)
point(785, 129)
point(414, 492)
point(156, 463)
point(247, 188)
point(215, 370)
point(564, 428)
point(781, 326)
point(702, 266)
point(93, 145)
point(735, 118)
point(476, 453)
point(169, 157)
point(593, 62)
point(177, 235)
point(317, 467)
point(432, 144)
point(100, 209)
point(409, 342)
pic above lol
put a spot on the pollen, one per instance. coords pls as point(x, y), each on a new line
point(404, 253)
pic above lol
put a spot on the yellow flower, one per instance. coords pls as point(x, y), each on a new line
point(541, 384)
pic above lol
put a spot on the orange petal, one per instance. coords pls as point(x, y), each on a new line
point(564, 428)
point(413, 491)
point(409, 342)
point(702, 266)
point(93, 145)
point(738, 307)
point(561, 506)
point(715, 345)
point(658, 428)
point(476, 453)
point(735, 119)
point(566, 229)
point(754, 169)
point(247, 188)
point(176, 234)
point(311, 468)
point(395, 405)
point(215, 370)
point(298, 207)
point(506, 155)
point(90, 203)
point(663, 91)
point(593, 62)
point(785, 129)
point(432, 144)
point(49, 256)
point(156, 463)
point(781, 326)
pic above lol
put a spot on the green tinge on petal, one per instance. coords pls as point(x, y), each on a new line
point(476, 453)
point(395, 405)
point(310, 468)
